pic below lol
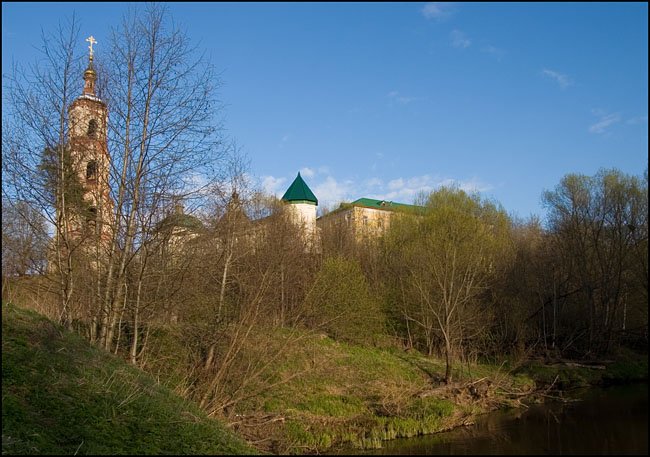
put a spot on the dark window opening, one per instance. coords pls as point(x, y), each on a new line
point(91, 218)
point(92, 128)
point(91, 170)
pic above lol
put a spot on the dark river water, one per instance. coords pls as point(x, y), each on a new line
point(610, 420)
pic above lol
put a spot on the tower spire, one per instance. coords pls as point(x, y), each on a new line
point(90, 75)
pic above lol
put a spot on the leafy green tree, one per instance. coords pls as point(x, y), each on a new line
point(443, 262)
point(340, 302)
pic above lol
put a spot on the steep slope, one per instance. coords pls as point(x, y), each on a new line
point(62, 396)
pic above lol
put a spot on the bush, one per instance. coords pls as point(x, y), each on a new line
point(341, 304)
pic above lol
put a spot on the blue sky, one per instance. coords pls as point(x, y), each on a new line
point(384, 100)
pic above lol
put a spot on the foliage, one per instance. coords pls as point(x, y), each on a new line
point(599, 227)
point(442, 263)
point(340, 302)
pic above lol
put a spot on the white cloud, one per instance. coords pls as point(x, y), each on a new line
point(459, 39)
point(373, 182)
point(474, 185)
point(273, 185)
point(605, 122)
point(437, 10)
point(307, 172)
point(563, 80)
point(406, 190)
point(401, 99)
point(332, 191)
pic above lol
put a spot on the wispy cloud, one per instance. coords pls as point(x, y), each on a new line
point(284, 140)
point(637, 120)
point(307, 172)
point(405, 190)
point(563, 80)
point(497, 53)
point(459, 39)
point(401, 99)
point(273, 185)
point(330, 190)
point(438, 10)
point(605, 121)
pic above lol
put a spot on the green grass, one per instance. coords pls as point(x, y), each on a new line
point(627, 367)
point(62, 396)
point(355, 395)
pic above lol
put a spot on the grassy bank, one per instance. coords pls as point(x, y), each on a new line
point(353, 396)
point(63, 396)
point(325, 394)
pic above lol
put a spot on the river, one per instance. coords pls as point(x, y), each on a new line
point(611, 420)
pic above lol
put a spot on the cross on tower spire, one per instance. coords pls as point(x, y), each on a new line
point(92, 41)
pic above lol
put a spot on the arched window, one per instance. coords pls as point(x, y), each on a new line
point(92, 128)
point(91, 170)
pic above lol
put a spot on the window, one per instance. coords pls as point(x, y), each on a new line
point(91, 218)
point(91, 170)
point(92, 128)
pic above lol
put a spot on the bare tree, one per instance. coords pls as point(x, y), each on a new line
point(24, 239)
point(36, 163)
point(164, 141)
point(599, 223)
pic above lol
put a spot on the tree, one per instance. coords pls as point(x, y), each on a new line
point(442, 262)
point(340, 302)
point(599, 224)
point(163, 136)
point(24, 239)
point(35, 157)
point(163, 139)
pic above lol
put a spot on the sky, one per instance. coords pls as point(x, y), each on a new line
point(387, 100)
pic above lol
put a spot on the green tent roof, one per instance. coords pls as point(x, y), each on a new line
point(299, 191)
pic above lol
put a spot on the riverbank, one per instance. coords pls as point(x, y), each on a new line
point(610, 420)
point(318, 395)
point(359, 397)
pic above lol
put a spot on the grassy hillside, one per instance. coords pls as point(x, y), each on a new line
point(320, 393)
point(63, 396)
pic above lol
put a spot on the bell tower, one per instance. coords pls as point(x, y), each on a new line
point(88, 116)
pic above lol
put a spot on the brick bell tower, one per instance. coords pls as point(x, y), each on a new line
point(88, 116)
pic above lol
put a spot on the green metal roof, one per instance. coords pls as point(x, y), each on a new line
point(383, 204)
point(181, 220)
point(299, 190)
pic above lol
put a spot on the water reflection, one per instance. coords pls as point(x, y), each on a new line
point(605, 421)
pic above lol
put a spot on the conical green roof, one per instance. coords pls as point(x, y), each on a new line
point(299, 191)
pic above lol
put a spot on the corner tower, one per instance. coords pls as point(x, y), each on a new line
point(88, 146)
point(302, 204)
